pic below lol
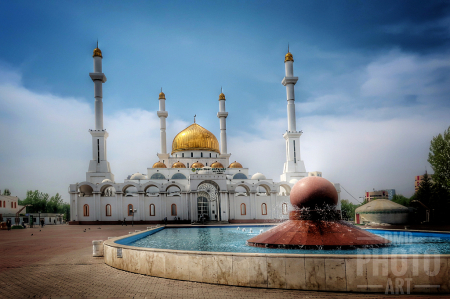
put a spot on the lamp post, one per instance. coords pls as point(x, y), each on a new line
point(39, 223)
point(132, 214)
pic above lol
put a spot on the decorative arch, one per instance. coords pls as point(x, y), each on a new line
point(245, 186)
point(172, 192)
point(86, 189)
point(265, 186)
point(167, 186)
point(128, 185)
point(286, 187)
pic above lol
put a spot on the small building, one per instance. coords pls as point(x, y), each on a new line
point(377, 194)
point(9, 206)
point(381, 211)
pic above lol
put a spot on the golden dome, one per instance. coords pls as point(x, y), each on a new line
point(162, 95)
point(197, 165)
point(195, 138)
point(235, 165)
point(178, 165)
point(217, 165)
point(288, 57)
point(159, 165)
point(221, 96)
point(97, 52)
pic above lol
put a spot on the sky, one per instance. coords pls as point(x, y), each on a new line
point(373, 88)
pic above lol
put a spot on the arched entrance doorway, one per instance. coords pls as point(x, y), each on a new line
point(207, 201)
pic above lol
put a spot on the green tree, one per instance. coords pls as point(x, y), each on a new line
point(439, 158)
point(6, 192)
point(54, 203)
point(402, 200)
point(348, 209)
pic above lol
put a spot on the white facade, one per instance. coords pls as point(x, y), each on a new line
point(9, 205)
point(173, 189)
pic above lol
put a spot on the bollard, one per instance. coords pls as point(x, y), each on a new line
point(97, 247)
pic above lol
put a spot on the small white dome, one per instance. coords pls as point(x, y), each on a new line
point(258, 176)
point(107, 181)
point(138, 176)
point(293, 181)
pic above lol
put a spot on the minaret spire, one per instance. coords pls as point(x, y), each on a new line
point(294, 166)
point(222, 115)
point(162, 114)
point(99, 168)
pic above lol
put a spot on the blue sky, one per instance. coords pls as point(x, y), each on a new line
point(373, 85)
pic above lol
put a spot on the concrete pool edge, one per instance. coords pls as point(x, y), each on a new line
point(323, 272)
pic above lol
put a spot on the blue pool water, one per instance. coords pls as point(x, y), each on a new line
point(230, 239)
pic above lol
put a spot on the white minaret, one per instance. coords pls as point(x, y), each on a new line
point(163, 114)
point(99, 168)
point(222, 115)
point(294, 168)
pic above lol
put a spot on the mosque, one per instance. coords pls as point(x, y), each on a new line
point(196, 180)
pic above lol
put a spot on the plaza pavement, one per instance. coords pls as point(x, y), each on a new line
point(56, 262)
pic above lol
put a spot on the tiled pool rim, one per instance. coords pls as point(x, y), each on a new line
point(324, 272)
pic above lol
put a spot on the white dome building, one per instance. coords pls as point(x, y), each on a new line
point(194, 178)
point(382, 211)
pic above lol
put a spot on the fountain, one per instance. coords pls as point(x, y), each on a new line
point(303, 253)
point(315, 223)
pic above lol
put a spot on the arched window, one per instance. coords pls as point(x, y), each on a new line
point(201, 155)
point(264, 209)
point(130, 210)
point(243, 209)
point(192, 155)
point(152, 210)
point(182, 155)
point(4, 204)
point(178, 176)
point(157, 176)
point(210, 155)
point(86, 210)
point(284, 208)
point(12, 205)
point(108, 210)
point(173, 209)
point(0, 203)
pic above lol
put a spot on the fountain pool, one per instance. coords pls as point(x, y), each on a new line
point(233, 239)
point(415, 262)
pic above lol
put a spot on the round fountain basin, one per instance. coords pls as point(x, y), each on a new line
point(220, 255)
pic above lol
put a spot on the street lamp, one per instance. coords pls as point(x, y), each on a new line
point(39, 223)
point(132, 214)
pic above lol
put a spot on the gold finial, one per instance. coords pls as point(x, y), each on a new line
point(288, 57)
point(97, 52)
point(162, 95)
point(221, 96)
point(195, 117)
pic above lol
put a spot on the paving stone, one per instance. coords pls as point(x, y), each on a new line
point(57, 262)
